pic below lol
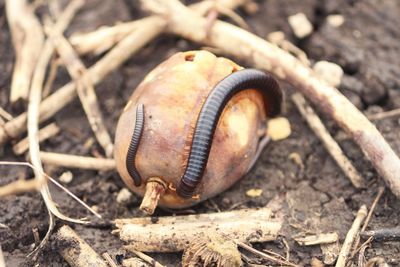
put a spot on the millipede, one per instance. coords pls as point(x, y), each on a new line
point(207, 123)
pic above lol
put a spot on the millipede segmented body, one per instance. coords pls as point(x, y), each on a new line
point(209, 116)
point(134, 144)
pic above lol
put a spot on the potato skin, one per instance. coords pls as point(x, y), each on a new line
point(172, 95)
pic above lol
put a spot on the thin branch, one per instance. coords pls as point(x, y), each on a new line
point(33, 109)
point(366, 222)
point(266, 256)
point(146, 258)
point(2, 260)
point(330, 144)
point(79, 162)
point(27, 37)
point(45, 133)
point(260, 53)
point(351, 235)
point(384, 115)
point(79, 253)
point(7, 116)
point(86, 92)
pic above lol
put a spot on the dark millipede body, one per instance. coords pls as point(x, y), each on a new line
point(134, 144)
point(209, 116)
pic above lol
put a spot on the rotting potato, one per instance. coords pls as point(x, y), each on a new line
point(173, 95)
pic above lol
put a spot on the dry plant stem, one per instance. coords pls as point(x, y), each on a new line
point(384, 115)
point(146, 258)
point(155, 188)
point(365, 225)
point(2, 260)
point(330, 144)
point(79, 162)
point(7, 116)
point(27, 37)
point(18, 187)
point(264, 55)
point(351, 235)
point(78, 253)
point(86, 92)
point(150, 28)
point(51, 78)
point(106, 37)
point(318, 239)
point(248, 225)
point(109, 260)
point(45, 133)
point(33, 109)
point(266, 256)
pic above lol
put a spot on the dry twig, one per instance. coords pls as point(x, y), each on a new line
point(351, 235)
point(2, 260)
point(266, 256)
point(248, 225)
point(33, 109)
point(317, 239)
point(109, 260)
point(45, 133)
point(106, 37)
point(146, 258)
point(27, 37)
point(79, 162)
point(7, 116)
point(330, 144)
point(76, 251)
point(384, 115)
point(371, 210)
point(85, 90)
point(262, 54)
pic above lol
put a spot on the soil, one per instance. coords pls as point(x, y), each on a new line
point(319, 197)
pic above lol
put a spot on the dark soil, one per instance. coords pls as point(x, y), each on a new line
point(320, 198)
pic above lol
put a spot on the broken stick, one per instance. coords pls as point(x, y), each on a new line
point(27, 37)
point(330, 144)
point(86, 92)
point(79, 162)
point(260, 53)
point(350, 237)
point(171, 234)
point(106, 37)
point(76, 251)
point(45, 133)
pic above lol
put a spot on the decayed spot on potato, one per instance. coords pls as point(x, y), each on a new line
point(214, 250)
point(172, 96)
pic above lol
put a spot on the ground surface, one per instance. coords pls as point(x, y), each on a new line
point(319, 197)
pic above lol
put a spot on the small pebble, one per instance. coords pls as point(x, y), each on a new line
point(335, 20)
point(124, 196)
point(66, 177)
point(278, 128)
point(332, 73)
point(300, 25)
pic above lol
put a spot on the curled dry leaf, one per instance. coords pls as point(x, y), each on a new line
point(278, 128)
point(213, 250)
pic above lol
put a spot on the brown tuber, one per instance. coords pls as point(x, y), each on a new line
point(167, 105)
